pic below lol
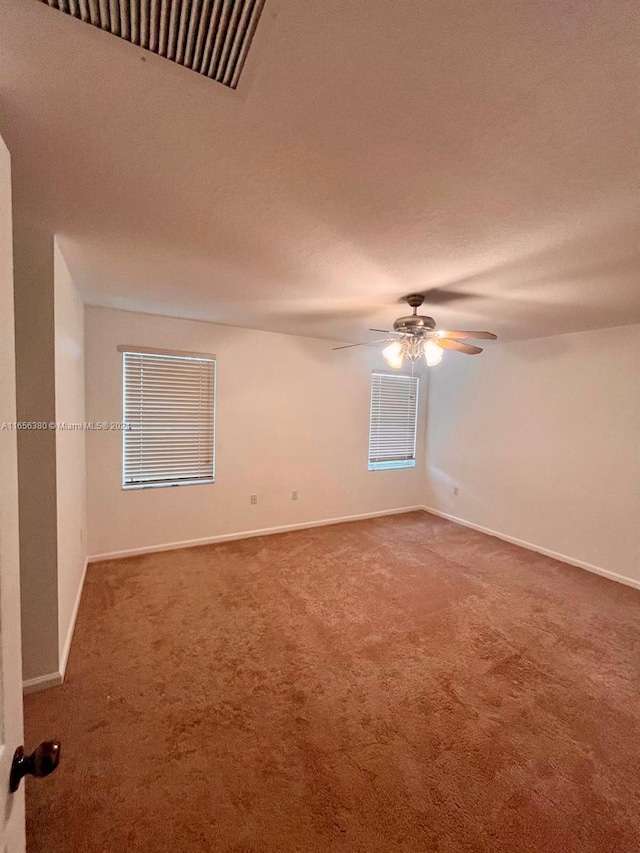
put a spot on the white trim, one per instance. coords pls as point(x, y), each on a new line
point(64, 657)
point(248, 534)
point(206, 356)
point(572, 561)
point(34, 685)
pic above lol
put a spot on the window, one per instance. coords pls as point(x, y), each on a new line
point(169, 410)
point(393, 421)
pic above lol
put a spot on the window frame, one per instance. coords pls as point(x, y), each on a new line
point(177, 354)
point(393, 464)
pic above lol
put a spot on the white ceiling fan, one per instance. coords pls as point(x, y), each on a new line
point(416, 337)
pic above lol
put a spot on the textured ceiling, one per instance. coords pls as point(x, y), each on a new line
point(485, 153)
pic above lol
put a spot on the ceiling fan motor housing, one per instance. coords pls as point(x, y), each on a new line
point(415, 324)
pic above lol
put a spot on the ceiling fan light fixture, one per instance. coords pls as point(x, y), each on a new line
point(393, 354)
point(418, 338)
point(432, 353)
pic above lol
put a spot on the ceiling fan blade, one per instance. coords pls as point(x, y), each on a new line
point(457, 345)
point(366, 344)
point(384, 331)
point(487, 336)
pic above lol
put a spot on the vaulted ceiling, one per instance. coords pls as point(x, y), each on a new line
point(483, 152)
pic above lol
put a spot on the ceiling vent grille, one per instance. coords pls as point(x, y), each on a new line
point(211, 37)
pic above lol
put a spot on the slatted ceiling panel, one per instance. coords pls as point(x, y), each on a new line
point(393, 421)
point(211, 37)
point(169, 407)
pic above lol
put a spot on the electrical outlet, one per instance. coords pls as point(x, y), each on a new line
point(294, 496)
point(254, 500)
point(455, 490)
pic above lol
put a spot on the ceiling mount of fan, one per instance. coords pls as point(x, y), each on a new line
point(415, 300)
point(416, 336)
point(414, 324)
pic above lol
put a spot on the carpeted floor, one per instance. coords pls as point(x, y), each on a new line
point(398, 684)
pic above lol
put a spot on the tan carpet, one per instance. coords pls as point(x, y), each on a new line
point(399, 684)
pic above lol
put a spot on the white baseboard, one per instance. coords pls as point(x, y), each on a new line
point(564, 558)
point(55, 679)
point(248, 534)
point(33, 685)
point(64, 657)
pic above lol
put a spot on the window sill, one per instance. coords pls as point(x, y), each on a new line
point(389, 466)
point(131, 486)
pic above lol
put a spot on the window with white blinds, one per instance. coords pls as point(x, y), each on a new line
point(393, 421)
point(169, 410)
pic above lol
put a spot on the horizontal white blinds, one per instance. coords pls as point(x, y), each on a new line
point(392, 424)
point(169, 410)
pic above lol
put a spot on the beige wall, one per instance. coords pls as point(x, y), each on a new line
point(70, 451)
point(291, 415)
point(542, 438)
point(35, 386)
point(49, 322)
point(11, 727)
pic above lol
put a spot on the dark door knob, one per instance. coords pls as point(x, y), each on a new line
point(43, 760)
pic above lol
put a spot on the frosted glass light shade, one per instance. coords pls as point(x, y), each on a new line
point(393, 354)
point(432, 353)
